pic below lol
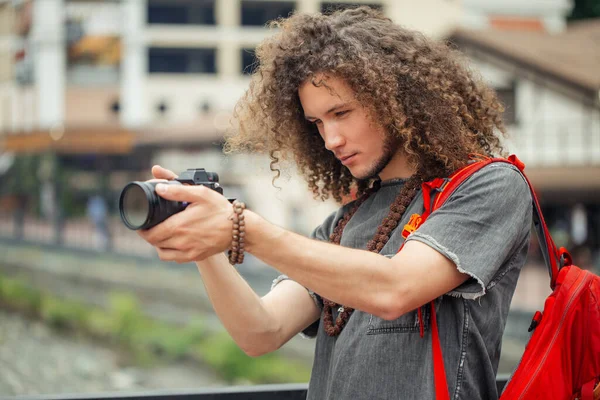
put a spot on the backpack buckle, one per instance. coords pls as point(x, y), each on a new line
point(565, 258)
point(412, 225)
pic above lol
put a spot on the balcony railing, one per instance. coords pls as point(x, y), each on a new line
point(259, 392)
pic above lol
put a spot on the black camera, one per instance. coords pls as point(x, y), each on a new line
point(141, 208)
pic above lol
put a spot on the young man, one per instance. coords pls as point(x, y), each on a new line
point(360, 102)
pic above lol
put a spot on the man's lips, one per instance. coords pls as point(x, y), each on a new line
point(347, 158)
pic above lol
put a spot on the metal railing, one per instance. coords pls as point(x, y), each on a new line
point(75, 234)
point(258, 392)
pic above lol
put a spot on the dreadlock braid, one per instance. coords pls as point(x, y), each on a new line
point(382, 235)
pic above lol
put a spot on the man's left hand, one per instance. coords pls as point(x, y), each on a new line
point(201, 230)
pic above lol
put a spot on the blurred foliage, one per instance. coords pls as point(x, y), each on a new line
point(221, 352)
point(146, 340)
point(70, 203)
point(585, 9)
point(22, 297)
point(22, 178)
point(62, 314)
point(25, 178)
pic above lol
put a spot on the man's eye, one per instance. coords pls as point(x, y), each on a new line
point(341, 113)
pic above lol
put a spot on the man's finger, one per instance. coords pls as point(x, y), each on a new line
point(166, 254)
point(171, 242)
point(184, 193)
point(160, 233)
point(162, 173)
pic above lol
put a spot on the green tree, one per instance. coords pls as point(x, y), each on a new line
point(585, 9)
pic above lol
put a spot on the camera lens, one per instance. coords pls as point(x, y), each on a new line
point(135, 205)
point(142, 208)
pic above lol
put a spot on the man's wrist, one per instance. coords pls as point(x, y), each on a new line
point(253, 227)
point(260, 232)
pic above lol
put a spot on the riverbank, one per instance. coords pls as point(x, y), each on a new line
point(38, 360)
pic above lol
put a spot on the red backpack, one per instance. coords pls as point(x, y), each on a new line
point(562, 358)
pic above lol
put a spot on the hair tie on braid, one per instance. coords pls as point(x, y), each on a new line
point(381, 237)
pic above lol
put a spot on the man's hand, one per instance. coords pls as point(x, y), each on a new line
point(203, 229)
point(159, 172)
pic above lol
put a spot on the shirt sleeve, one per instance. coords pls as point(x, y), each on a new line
point(311, 331)
point(481, 226)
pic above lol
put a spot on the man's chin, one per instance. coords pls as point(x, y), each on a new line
point(362, 175)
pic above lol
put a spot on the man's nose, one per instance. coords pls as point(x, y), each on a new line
point(332, 137)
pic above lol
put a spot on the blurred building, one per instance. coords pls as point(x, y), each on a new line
point(541, 15)
point(116, 86)
point(113, 87)
point(550, 85)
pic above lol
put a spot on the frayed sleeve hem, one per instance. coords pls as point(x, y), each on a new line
point(468, 290)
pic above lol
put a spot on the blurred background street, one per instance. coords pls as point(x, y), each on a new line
point(93, 93)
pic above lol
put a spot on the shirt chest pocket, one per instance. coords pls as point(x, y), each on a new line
point(407, 323)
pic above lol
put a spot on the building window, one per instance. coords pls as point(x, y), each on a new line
point(507, 97)
point(258, 13)
point(330, 7)
point(181, 12)
point(92, 57)
point(249, 61)
point(181, 60)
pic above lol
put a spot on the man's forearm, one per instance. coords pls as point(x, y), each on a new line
point(355, 278)
point(238, 307)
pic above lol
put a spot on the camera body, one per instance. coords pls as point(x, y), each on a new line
point(141, 208)
point(199, 176)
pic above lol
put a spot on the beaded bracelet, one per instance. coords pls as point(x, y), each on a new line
point(236, 253)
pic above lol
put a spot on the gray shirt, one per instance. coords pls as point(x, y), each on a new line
point(484, 229)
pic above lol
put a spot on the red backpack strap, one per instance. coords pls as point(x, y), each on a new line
point(435, 194)
point(554, 258)
point(439, 371)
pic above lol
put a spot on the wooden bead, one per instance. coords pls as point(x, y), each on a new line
point(236, 254)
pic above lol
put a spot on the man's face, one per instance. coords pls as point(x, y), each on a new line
point(358, 142)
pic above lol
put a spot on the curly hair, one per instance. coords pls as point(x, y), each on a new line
point(420, 90)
